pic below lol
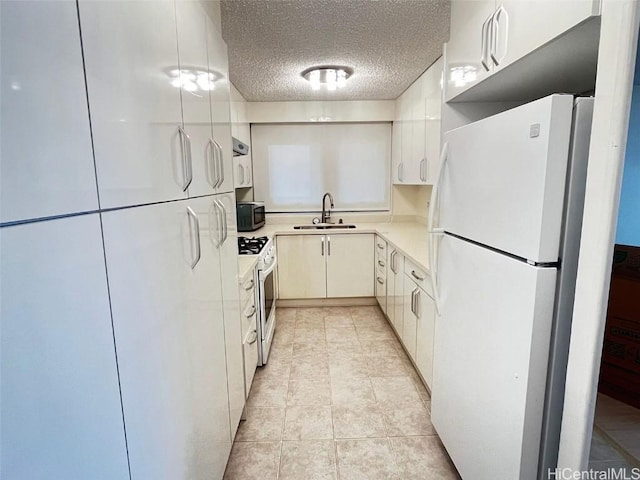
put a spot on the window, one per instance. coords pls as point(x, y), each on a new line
point(294, 164)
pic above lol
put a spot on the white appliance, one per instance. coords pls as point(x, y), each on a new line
point(505, 223)
point(265, 272)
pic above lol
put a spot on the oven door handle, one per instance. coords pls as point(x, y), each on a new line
point(264, 273)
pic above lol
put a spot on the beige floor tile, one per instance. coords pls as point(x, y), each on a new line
point(367, 322)
point(372, 311)
point(366, 459)
point(383, 348)
point(309, 350)
point(308, 368)
point(253, 461)
point(332, 320)
point(287, 315)
point(344, 350)
point(601, 450)
point(343, 311)
point(309, 335)
point(407, 419)
point(341, 335)
point(311, 316)
point(628, 440)
point(357, 421)
point(385, 366)
point(367, 335)
point(422, 391)
point(312, 391)
point(274, 371)
point(308, 460)
point(268, 393)
point(394, 390)
point(283, 336)
point(420, 458)
point(263, 424)
point(355, 391)
point(308, 423)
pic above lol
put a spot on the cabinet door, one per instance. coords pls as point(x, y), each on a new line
point(46, 161)
point(425, 335)
point(522, 26)
point(193, 78)
point(398, 295)
point(59, 403)
point(391, 286)
point(396, 152)
point(433, 107)
point(242, 171)
point(381, 290)
point(131, 55)
point(228, 250)
point(349, 260)
point(419, 114)
point(169, 333)
point(220, 103)
point(464, 50)
point(301, 266)
point(409, 324)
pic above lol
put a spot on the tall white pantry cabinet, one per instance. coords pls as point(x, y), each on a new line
point(120, 336)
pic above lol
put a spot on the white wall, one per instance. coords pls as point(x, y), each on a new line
point(339, 111)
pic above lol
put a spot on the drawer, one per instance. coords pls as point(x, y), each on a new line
point(381, 292)
point(247, 290)
point(419, 276)
point(249, 317)
point(250, 350)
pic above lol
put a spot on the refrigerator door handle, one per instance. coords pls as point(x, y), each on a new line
point(433, 229)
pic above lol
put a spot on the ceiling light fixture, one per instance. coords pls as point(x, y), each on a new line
point(331, 77)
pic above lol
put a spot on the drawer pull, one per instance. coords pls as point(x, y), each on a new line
point(380, 246)
point(381, 263)
point(249, 285)
point(416, 276)
point(380, 281)
point(252, 311)
point(253, 337)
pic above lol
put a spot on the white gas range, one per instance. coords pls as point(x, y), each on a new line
point(265, 249)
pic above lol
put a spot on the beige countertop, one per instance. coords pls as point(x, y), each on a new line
point(408, 238)
point(246, 264)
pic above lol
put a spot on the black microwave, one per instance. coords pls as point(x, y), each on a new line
point(250, 216)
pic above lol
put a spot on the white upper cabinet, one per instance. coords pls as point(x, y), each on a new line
point(489, 35)
point(59, 400)
point(467, 50)
point(521, 26)
point(220, 104)
point(195, 81)
point(131, 60)
point(416, 130)
point(46, 161)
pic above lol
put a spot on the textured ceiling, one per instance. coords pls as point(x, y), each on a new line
point(388, 43)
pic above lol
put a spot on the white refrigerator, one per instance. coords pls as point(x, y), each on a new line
point(505, 223)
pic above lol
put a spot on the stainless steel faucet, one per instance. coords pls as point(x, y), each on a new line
point(326, 214)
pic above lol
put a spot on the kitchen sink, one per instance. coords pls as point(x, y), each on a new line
point(324, 226)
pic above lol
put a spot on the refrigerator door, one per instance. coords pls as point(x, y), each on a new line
point(490, 360)
point(504, 177)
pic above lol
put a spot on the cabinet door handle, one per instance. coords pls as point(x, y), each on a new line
point(225, 227)
point(254, 337)
point(485, 43)
point(380, 281)
point(497, 34)
point(393, 261)
point(413, 294)
point(249, 285)
point(381, 263)
point(196, 225)
point(213, 174)
point(380, 246)
point(416, 276)
point(329, 246)
point(247, 176)
point(220, 165)
point(323, 245)
point(241, 174)
point(401, 172)
point(185, 150)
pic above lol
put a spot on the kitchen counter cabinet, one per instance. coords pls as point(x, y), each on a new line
point(301, 266)
point(349, 260)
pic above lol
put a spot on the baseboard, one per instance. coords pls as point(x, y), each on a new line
point(327, 302)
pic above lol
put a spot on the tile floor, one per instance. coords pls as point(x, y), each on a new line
point(616, 436)
point(338, 399)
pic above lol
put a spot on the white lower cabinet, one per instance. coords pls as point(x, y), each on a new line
point(167, 297)
point(380, 273)
point(59, 398)
point(419, 326)
point(394, 290)
point(325, 266)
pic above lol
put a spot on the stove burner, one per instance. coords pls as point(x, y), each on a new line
point(251, 245)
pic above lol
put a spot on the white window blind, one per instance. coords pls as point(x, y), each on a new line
point(294, 164)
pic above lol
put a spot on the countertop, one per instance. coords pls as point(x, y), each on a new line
point(410, 239)
point(246, 264)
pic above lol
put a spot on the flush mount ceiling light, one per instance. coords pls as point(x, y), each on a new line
point(331, 77)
